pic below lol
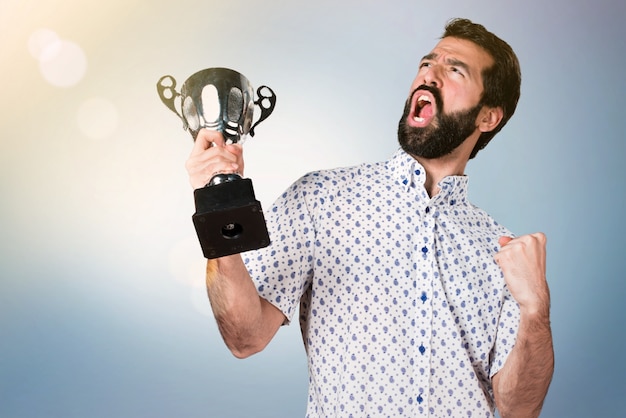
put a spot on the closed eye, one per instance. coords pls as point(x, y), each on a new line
point(458, 71)
point(458, 66)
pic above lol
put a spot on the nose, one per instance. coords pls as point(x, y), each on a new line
point(432, 76)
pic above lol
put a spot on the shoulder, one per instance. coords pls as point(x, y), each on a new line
point(338, 178)
point(485, 222)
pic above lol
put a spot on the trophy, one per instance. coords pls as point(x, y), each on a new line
point(228, 218)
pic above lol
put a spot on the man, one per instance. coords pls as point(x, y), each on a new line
point(413, 302)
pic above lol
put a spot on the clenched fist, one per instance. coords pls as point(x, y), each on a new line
point(210, 156)
point(523, 263)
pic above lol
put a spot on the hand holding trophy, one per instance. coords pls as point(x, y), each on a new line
point(228, 218)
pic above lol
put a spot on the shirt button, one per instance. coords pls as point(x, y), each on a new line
point(424, 250)
point(427, 210)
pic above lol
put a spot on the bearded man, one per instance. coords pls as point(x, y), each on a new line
point(412, 301)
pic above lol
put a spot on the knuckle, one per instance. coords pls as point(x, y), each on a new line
point(540, 238)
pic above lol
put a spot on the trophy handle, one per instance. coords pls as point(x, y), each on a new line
point(266, 103)
point(168, 94)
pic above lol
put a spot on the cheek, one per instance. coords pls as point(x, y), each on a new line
point(455, 99)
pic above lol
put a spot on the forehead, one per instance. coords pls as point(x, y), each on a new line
point(472, 55)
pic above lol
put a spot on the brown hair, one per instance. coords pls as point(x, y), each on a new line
point(502, 81)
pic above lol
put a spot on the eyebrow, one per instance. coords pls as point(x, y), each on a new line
point(450, 61)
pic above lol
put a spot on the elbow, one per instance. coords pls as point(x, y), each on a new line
point(242, 353)
point(241, 342)
point(246, 337)
point(243, 348)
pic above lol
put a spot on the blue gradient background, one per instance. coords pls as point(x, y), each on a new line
point(102, 308)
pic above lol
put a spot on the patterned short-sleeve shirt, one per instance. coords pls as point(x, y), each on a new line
point(403, 310)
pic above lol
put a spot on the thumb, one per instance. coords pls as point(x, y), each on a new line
point(206, 139)
point(235, 149)
point(504, 240)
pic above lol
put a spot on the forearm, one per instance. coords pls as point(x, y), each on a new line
point(521, 385)
point(237, 307)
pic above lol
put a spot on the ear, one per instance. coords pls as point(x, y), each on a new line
point(489, 118)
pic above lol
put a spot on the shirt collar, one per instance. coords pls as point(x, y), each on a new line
point(411, 175)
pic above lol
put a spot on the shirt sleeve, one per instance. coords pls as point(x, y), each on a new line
point(506, 333)
point(508, 323)
point(283, 270)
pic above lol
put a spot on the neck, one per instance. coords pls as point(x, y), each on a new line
point(439, 168)
point(452, 164)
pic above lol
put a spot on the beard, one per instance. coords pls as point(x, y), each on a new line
point(444, 133)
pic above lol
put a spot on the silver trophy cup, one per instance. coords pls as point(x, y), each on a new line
point(228, 218)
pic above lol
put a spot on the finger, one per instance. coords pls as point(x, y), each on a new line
point(540, 237)
point(235, 149)
point(504, 240)
point(205, 140)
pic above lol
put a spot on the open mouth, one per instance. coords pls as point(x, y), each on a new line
point(423, 109)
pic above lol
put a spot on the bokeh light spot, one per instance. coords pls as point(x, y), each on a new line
point(42, 39)
point(62, 63)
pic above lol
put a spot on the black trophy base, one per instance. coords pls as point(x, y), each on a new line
point(229, 219)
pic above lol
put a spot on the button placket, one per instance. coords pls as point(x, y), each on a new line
point(423, 253)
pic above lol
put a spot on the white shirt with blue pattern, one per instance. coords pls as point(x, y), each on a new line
point(403, 310)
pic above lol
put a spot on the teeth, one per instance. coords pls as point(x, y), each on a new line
point(422, 101)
